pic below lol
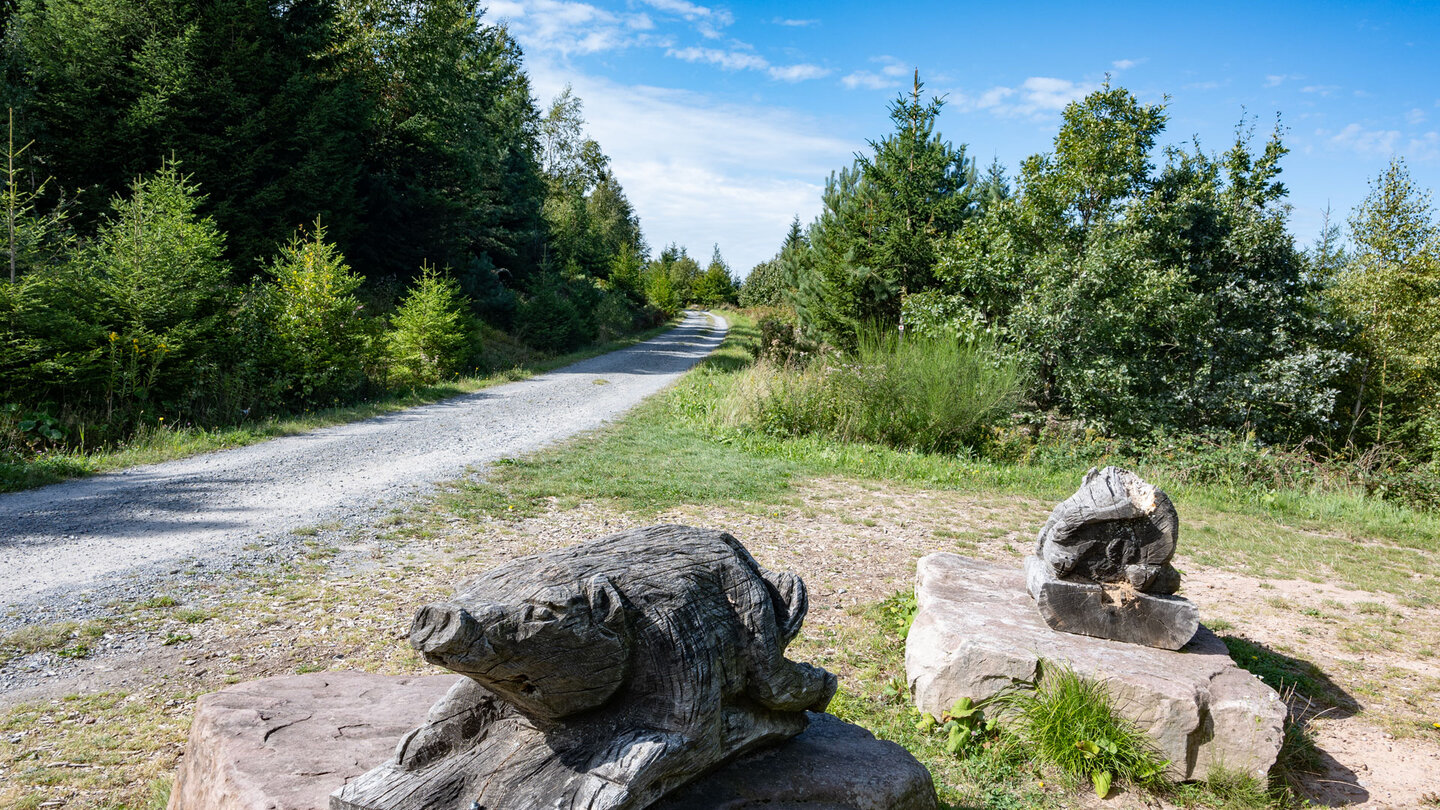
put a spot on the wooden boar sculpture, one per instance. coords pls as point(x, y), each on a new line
point(1102, 564)
point(601, 677)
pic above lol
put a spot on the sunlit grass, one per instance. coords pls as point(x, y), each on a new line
point(151, 445)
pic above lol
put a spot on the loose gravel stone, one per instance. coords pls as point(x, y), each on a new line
point(116, 535)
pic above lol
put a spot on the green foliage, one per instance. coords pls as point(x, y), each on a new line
point(716, 287)
point(557, 315)
point(322, 341)
point(771, 283)
point(875, 240)
point(670, 279)
point(1390, 289)
point(932, 394)
point(1070, 722)
point(1140, 299)
point(430, 334)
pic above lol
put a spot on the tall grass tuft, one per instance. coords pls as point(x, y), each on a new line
point(1069, 722)
point(923, 393)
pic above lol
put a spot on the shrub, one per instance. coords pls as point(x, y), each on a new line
point(431, 333)
point(782, 343)
point(322, 339)
point(613, 316)
point(152, 290)
point(557, 314)
point(930, 394)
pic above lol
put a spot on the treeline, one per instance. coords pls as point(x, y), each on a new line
point(222, 210)
point(1147, 294)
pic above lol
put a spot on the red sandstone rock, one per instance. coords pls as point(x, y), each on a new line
point(287, 743)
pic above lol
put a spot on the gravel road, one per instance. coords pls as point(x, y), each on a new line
point(89, 535)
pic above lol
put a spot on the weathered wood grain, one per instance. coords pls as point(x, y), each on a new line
point(1102, 564)
point(601, 677)
point(1115, 528)
point(1116, 612)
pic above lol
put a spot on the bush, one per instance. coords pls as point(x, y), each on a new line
point(782, 343)
point(431, 333)
point(321, 337)
point(929, 394)
point(557, 315)
point(613, 317)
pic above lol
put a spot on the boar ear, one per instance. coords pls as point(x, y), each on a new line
point(787, 592)
point(607, 606)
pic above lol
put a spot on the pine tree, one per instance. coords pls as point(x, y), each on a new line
point(875, 239)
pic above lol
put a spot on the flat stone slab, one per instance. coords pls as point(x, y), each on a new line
point(978, 631)
point(287, 743)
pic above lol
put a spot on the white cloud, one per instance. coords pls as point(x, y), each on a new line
point(1415, 117)
point(1370, 142)
point(889, 75)
point(795, 23)
point(748, 60)
point(699, 171)
point(1425, 148)
point(993, 97)
point(693, 12)
point(728, 60)
point(1036, 97)
point(1325, 90)
point(1277, 79)
point(798, 73)
point(564, 27)
point(1125, 64)
point(867, 80)
point(1202, 86)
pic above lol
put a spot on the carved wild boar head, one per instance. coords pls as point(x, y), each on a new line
point(562, 650)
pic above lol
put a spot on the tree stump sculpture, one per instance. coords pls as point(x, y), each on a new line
point(601, 677)
point(1102, 564)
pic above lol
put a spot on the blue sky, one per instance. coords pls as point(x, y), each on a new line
point(723, 120)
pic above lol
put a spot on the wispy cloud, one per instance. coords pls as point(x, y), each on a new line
point(729, 60)
point(890, 74)
point(700, 171)
point(1202, 86)
point(692, 12)
point(566, 28)
point(1369, 142)
point(748, 60)
point(1125, 64)
point(794, 23)
point(1415, 117)
point(1277, 79)
point(798, 73)
point(1324, 90)
point(1424, 149)
point(1036, 97)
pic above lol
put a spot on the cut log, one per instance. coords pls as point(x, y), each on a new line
point(1117, 612)
point(1115, 528)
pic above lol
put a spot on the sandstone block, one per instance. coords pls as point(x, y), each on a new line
point(287, 743)
point(977, 631)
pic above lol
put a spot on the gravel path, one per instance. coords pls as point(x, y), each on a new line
point(89, 535)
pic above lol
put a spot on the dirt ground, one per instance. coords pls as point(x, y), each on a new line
point(342, 598)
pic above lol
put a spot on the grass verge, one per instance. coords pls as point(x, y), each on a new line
point(166, 443)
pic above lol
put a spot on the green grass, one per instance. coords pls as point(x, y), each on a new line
point(1070, 722)
point(156, 444)
point(677, 450)
point(67, 639)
